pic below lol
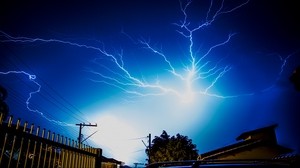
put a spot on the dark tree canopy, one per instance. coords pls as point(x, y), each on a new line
point(3, 106)
point(175, 148)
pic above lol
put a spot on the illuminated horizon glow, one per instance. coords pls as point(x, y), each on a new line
point(175, 90)
point(115, 137)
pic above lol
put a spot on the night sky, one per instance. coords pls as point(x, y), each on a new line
point(210, 72)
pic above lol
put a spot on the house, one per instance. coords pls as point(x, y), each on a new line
point(255, 144)
point(110, 163)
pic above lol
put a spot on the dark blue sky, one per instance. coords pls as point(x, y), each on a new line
point(128, 66)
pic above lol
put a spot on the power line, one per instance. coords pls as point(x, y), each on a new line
point(138, 138)
point(71, 113)
point(50, 98)
point(56, 93)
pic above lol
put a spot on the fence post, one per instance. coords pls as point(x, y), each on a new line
point(45, 150)
point(98, 159)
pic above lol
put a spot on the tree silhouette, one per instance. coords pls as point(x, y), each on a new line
point(175, 148)
point(3, 106)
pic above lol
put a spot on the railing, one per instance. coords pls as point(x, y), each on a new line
point(29, 146)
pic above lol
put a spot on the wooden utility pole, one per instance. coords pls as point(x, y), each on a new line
point(149, 149)
point(81, 125)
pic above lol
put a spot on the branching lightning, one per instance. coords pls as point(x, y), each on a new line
point(196, 68)
point(32, 78)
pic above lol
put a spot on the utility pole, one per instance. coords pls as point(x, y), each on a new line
point(81, 125)
point(149, 148)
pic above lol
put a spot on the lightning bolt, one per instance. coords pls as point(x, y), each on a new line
point(32, 78)
point(194, 70)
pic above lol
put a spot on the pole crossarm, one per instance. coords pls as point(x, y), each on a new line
point(81, 125)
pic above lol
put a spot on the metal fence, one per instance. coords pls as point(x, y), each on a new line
point(23, 145)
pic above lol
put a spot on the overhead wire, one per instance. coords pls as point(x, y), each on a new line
point(78, 117)
point(19, 98)
point(50, 97)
